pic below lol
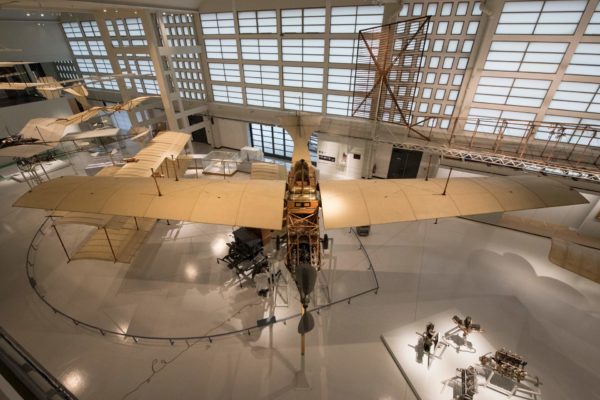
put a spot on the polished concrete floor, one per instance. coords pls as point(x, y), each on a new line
point(175, 288)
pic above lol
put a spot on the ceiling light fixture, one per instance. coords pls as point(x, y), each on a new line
point(42, 14)
point(28, 14)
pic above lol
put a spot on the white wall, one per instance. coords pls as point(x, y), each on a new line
point(231, 134)
point(15, 117)
point(39, 43)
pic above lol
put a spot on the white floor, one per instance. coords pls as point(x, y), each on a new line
point(502, 278)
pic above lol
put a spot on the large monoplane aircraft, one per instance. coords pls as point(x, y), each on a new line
point(298, 202)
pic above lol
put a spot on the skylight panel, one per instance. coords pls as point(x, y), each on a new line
point(586, 60)
point(260, 49)
point(307, 50)
point(261, 74)
point(303, 20)
point(593, 27)
point(263, 97)
point(340, 79)
point(577, 96)
point(306, 77)
point(540, 17)
point(303, 101)
point(339, 105)
point(519, 92)
point(257, 21)
point(342, 51)
point(221, 48)
point(217, 23)
point(352, 19)
point(525, 56)
point(224, 72)
point(227, 94)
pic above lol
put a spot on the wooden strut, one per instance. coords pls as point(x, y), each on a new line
point(155, 182)
point(302, 338)
point(61, 242)
point(175, 167)
point(447, 181)
point(110, 244)
point(428, 167)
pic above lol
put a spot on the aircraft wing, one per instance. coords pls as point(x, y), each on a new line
point(255, 204)
point(24, 150)
point(367, 202)
point(95, 133)
point(16, 85)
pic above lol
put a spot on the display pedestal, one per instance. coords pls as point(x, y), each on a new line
point(438, 379)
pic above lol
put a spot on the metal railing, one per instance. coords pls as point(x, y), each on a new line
point(36, 379)
point(45, 228)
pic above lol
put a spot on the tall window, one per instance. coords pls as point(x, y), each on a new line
point(275, 141)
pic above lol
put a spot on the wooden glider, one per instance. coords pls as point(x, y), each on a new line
point(259, 203)
point(118, 238)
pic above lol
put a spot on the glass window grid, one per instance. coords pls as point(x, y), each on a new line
point(563, 129)
point(585, 60)
point(90, 29)
point(304, 77)
point(302, 101)
point(554, 17)
point(451, 35)
point(224, 72)
point(352, 19)
point(257, 21)
point(272, 140)
point(217, 23)
point(577, 96)
point(542, 57)
point(180, 30)
point(343, 51)
point(139, 64)
point(72, 30)
point(259, 49)
point(227, 94)
point(263, 97)
point(89, 54)
point(593, 27)
point(126, 32)
point(261, 74)
point(66, 70)
point(341, 79)
point(490, 121)
point(303, 50)
point(303, 20)
point(225, 49)
point(339, 104)
point(511, 91)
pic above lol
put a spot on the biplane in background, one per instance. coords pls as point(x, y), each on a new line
point(42, 134)
point(296, 203)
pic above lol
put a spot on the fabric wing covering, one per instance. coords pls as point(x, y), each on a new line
point(252, 203)
point(367, 202)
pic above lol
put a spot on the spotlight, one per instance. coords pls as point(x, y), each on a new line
point(104, 10)
point(28, 14)
point(42, 14)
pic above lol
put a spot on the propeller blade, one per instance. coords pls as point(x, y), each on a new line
point(306, 277)
point(307, 323)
